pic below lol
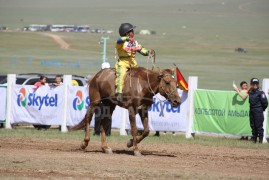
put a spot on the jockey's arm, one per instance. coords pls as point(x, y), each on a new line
point(143, 51)
point(121, 40)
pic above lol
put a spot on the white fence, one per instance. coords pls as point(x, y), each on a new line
point(67, 105)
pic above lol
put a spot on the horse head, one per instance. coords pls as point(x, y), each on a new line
point(168, 87)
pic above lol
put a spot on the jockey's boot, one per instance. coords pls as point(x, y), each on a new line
point(119, 97)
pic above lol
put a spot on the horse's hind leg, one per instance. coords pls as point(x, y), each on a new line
point(106, 120)
point(105, 148)
point(88, 119)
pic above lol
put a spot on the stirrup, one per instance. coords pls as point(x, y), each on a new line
point(119, 97)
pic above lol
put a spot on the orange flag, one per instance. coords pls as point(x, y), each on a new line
point(183, 85)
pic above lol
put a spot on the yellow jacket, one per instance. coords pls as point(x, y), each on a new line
point(127, 50)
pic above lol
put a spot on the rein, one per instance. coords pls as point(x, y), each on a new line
point(152, 56)
point(161, 101)
point(153, 66)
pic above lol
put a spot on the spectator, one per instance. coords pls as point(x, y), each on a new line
point(100, 113)
point(42, 82)
point(243, 93)
point(258, 103)
point(58, 81)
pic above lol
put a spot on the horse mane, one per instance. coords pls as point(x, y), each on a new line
point(143, 73)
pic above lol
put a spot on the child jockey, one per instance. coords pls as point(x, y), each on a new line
point(126, 47)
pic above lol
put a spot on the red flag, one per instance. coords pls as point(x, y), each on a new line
point(183, 85)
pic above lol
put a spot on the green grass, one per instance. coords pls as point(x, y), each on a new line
point(204, 48)
point(22, 132)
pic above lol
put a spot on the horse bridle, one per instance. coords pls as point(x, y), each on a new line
point(168, 93)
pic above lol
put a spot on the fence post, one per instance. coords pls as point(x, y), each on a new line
point(11, 81)
point(123, 122)
point(66, 82)
point(265, 88)
point(193, 81)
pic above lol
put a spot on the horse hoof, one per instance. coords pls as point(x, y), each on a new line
point(130, 143)
point(138, 154)
point(82, 146)
point(108, 151)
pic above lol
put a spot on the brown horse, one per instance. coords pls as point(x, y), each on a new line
point(139, 88)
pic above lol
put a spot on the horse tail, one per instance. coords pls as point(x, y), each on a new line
point(80, 125)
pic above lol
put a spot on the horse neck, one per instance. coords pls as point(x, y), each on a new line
point(153, 82)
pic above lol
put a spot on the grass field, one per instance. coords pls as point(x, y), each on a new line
point(198, 35)
point(22, 132)
point(32, 154)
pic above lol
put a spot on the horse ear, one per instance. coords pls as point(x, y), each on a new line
point(173, 70)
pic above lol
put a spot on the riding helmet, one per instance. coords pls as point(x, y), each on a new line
point(125, 28)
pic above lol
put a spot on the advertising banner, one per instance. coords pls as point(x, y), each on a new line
point(221, 112)
point(43, 106)
point(78, 103)
point(173, 118)
point(3, 103)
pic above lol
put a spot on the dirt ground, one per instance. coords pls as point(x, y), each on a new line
point(56, 159)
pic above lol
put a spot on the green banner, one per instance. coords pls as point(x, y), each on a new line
point(221, 112)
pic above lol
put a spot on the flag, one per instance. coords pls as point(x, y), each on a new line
point(183, 85)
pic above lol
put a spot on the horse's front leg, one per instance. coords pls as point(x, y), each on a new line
point(143, 112)
point(134, 132)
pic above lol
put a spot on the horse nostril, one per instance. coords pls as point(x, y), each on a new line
point(176, 103)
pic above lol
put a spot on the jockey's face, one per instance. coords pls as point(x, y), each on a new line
point(130, 33)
